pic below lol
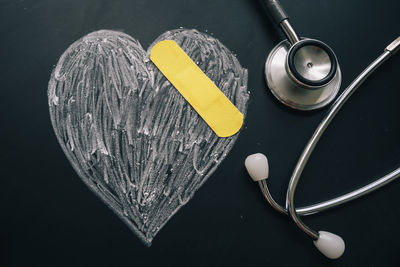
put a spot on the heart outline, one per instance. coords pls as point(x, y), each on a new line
point(61, 82)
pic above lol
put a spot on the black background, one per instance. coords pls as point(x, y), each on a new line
point(50, 218)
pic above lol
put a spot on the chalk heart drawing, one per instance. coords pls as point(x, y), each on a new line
point(129, 134)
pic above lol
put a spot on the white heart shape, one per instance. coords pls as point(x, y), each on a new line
point(129, 134)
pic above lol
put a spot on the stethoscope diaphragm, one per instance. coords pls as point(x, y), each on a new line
point(303, 76)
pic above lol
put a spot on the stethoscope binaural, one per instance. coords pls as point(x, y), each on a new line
point(329, 244)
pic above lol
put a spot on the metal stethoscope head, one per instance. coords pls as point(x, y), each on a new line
point(331, 245)
point(303, 73)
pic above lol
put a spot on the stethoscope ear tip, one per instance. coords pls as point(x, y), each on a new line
point(331, 245)
point(257, 166)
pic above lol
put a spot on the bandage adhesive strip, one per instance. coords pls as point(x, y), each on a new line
point(194, 85)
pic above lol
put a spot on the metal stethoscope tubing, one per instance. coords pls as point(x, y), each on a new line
point(331, 203)
point(329, 244)
point(390, 50)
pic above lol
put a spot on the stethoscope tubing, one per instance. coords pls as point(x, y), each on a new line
point(291, 210)
point(331, 203)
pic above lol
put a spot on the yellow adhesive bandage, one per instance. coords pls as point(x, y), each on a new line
point(194, 85)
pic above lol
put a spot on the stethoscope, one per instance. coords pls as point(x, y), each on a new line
point(304, 74)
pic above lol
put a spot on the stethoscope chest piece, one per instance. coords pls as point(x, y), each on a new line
point(304, 75)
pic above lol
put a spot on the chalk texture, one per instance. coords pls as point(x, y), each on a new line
point(129, 134)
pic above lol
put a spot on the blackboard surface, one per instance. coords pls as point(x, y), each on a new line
point(50, 218)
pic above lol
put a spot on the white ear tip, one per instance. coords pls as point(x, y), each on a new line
point(331, 245)
point(257, 166)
